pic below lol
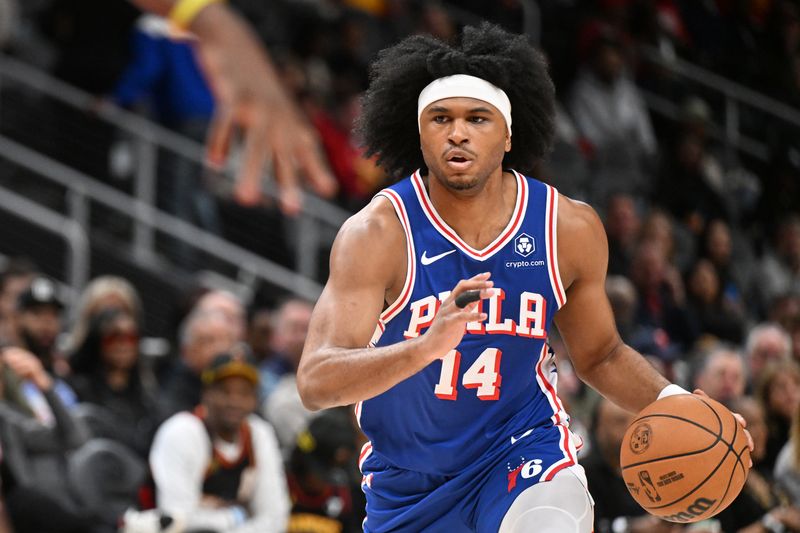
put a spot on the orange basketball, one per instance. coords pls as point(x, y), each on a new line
point(685, 458)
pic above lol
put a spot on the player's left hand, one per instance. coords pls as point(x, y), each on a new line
point(739, 418)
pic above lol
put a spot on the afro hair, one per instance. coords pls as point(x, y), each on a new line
point(388, 123)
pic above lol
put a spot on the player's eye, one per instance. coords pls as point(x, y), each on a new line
point(440, 119)
point(477, 120)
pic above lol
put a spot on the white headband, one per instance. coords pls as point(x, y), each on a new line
point(467, 86)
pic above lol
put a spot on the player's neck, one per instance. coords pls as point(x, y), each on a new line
point(478, 216)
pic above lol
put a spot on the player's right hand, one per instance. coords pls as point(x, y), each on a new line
point(450, 322)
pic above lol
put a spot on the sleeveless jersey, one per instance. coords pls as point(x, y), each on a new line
point(500, 381)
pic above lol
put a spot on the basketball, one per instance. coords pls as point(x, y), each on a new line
point(685, 458)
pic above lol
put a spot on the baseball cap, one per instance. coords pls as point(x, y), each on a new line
point(41, 291)
point(227, 365)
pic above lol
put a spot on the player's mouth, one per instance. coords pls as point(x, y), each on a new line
point(459, 160)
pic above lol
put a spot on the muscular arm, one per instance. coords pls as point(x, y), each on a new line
point(368, 259)
point(586, 321)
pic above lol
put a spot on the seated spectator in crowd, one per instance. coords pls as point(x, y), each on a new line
point(320, 472)
point(779, 394)
point(283, 407)
point(766, 344)
point(289, 329)
point(709, 311)
point(622, 227)
point(611, 115)
point(16, 276)
point(734, 275)
point(785, 311)
point(203, 335)
point(231, 307)
point(107, 372)
point(645, 339)
point(787, 466)
point(219, 468)
point(614, 508)
point(34, 472)
point(779, 272)
point(103, 293)
point(661, 295)
point(760, 506)
point(676, 243)
point(720, 373)
point(38, 324)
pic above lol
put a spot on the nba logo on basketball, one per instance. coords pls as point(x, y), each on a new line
point(524, 245)
point(640, 439)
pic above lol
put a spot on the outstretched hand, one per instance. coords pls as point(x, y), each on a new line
point(249, 96)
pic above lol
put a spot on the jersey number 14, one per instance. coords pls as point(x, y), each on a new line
point(483, 375)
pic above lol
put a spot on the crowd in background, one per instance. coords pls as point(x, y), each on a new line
point(704, 245)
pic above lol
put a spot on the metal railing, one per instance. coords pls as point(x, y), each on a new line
point(319, 220)
point(74, 235)
point(735, 96)
point(82, 188)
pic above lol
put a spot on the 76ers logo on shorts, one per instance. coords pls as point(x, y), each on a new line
point(524, 245)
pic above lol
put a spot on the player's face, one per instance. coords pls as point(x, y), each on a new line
point(463, 142)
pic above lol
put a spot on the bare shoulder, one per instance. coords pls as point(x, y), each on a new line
point(371, 241)
point(582, 242)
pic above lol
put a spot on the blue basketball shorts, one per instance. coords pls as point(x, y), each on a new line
point(475, 499)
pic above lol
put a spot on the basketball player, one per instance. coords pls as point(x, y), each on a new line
point(466, 430)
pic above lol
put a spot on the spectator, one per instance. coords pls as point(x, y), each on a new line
point(101, 294)
point(204, 334)
point(34, 470)
point(283, 407)
point(759, 506)
point(780, 268)
point(710, 313)
point(38, 320)
point(622, 226)
point(734, 275)
point(15, 278)
point(614, 509)
point(219, 467)
point(319, 474)
point(785, 310)
point(164, 70)
point(661, 296)
point(787, 466)
point(229, 305)
point(645, 339)
point(779, 394)
point(107, 372)
point(766, 344)
point(721, 374)
point(610, 114)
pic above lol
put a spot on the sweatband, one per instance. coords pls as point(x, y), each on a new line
point(185, 11)
point(466, 86)
point(672, 390)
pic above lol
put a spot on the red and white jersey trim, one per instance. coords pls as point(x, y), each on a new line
point(405, 294)
point(567, 447)
point(551, 224)
point(449, 233)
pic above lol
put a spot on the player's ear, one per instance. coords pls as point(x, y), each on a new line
point(508, 142)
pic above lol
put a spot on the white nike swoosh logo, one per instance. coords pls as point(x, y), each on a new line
point(514, 440)
point(425, 260)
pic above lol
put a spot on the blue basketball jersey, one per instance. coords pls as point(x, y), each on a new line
point(500, 381)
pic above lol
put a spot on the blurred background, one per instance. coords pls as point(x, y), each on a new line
point(678, 121)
